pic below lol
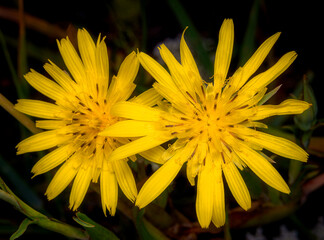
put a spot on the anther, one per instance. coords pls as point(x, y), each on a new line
point(82, 104)
point(202, 90)
point(190, 96)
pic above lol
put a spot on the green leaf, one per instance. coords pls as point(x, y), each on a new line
point(145, 229)
point(269, 95)
point(254, 183)
point(248, 45)
point(20, 87)
point(95, 230)
point(192, 33)
point(19, 184)
point(294, 170)
point(22, 228)
point(38, 218)
point(307, 119)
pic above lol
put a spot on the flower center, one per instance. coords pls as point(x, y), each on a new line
point(89, 117)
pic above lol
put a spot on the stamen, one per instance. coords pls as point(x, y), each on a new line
point(233, 98)
point(203, 90)
point(244, 106)
point(223, 157)
point(190, 96)
point(82, 104)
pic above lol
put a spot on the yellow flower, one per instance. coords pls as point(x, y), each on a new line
point(81, 109)
point(214, 124)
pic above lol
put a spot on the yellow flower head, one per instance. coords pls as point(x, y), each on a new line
point(214, 125)
point(81, 109)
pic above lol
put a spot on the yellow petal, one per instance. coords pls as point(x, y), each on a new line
point(125, 178)
point(223, 53)
point(263, 79)
point(148, 98)
point(154, 155)
point(262, 168)
point(187, 59)
point(39, 109)
point(289, 106)
point(41, 141)
point(80, 187)
point(44, 85)
point(62, 179)
point(257, 58)
point(177, 71)
point(280, 146)
point(155, 69)
point(237, 185)
point(219, 215)
point(157, 183)
point(72, 60)
point(129, 128)
point(50, 124)
point(135, 111)
point(137, 146)
point(128, 70)
point(122, 86)
point(61, 77)
point(87, 51)
point(102, 66)
point(52, 160)
point(109, 192)
point(205, 195)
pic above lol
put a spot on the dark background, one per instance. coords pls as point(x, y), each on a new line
point(131, 25)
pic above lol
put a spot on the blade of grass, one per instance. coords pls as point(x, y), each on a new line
point(12, 70)
point(192, 33)
point(32, 22)
point(22, 118)
point(22, 56)
point(20, 184)
point(248, 45)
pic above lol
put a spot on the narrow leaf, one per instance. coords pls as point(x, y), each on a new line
point(95, 230)
point(147, 230)
point(22, 228)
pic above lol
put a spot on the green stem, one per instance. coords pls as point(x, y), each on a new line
point(38, 218)
point(22, 118)
point(227, 227)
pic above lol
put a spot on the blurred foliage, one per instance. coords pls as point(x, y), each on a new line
point(27, 37)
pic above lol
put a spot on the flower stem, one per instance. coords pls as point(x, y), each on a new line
point(23, 119)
